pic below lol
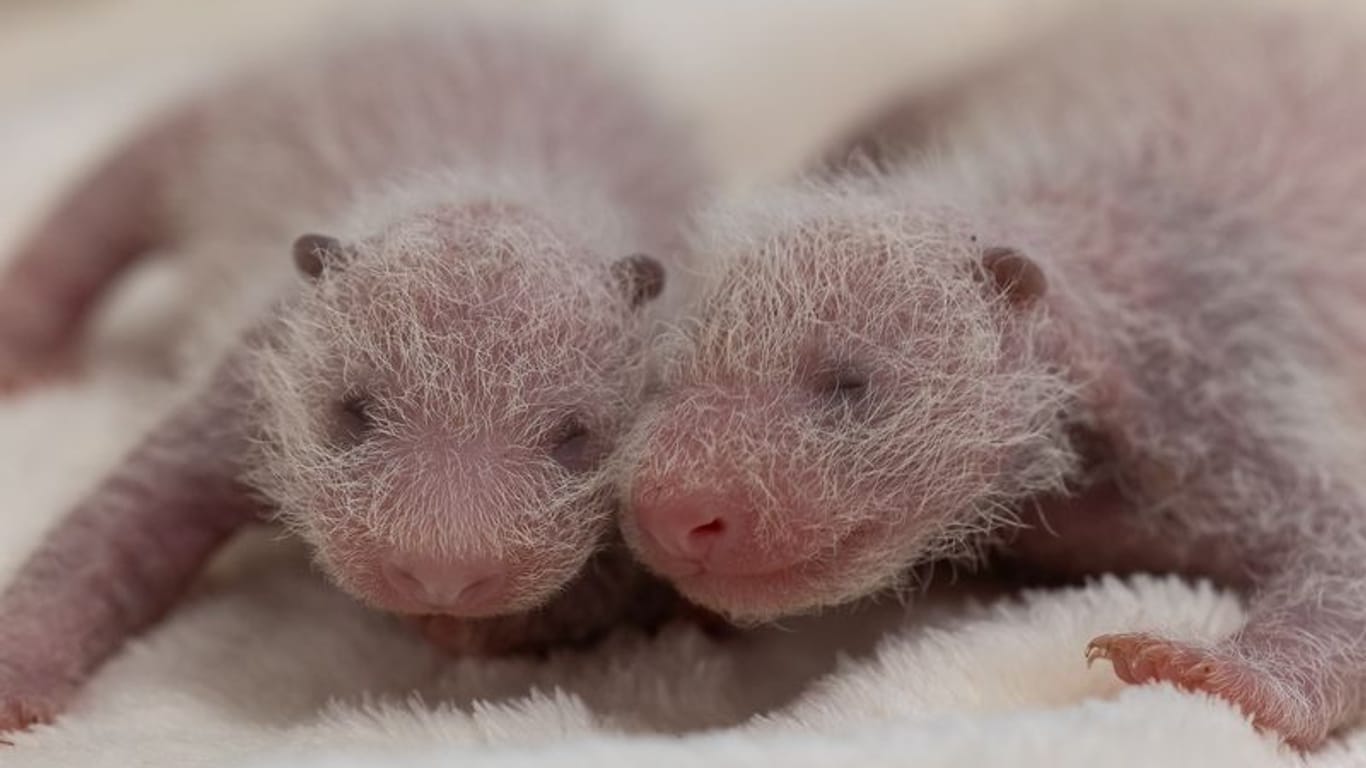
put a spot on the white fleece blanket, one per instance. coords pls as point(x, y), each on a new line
point(267, 666)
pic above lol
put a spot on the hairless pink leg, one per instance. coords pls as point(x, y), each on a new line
point(123, 556)
point(59, 274)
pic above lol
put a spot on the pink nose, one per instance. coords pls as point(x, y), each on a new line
point(446, 585)
point(694, 530)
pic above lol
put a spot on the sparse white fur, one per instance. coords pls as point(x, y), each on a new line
point(487, 179)
point(1188, 181)
point(472, 372)
point(426, 398)
point(442, 106)
point(801, 267)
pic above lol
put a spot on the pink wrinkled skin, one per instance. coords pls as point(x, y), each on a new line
point(1112, 320)
point(429, 403)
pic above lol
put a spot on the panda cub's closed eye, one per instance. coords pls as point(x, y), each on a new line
point(569, 443)
point(842, 384)
point(355, 418)
point(849, 382)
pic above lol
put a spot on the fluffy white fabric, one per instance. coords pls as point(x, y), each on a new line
point(267, 666)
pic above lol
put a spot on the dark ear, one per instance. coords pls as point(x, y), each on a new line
point(1013, 275)
point(641, 278)
point(315, 253)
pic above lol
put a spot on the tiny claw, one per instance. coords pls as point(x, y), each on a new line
point(1270, 700)
point(1099, 648)
point(1093, 652)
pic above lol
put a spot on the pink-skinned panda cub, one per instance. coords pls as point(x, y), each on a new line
point(426, 389)
point(1110, 315)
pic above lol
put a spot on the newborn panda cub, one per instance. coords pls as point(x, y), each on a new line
point(432, 414)
point(430, 405)
point(1114, 321)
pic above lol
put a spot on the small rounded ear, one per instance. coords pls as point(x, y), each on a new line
point(641, 278)
point(314, 253)
point(1013, 275)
